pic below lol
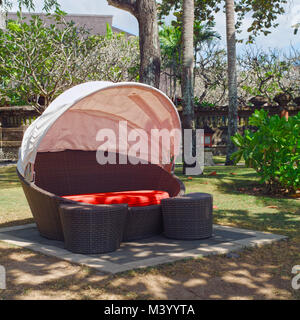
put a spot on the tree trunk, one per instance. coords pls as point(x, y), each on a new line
point(187, 89)
point(232, 79)
point(149, 42)
point(146, 14)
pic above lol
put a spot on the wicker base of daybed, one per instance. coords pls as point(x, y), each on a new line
point(73, 172)
point(143, 222)
point(44, 207)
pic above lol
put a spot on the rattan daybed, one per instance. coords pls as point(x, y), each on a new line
point(58, 155)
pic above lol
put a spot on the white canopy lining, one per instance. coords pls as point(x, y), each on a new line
point(73, 120)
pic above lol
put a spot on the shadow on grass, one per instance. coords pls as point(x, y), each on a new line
point(280, 222)
point(221, 172)
point(229, 184)
point(244, 183)
point(16, 222)
point(263, 273)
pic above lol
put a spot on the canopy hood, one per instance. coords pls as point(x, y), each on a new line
point(73, 120)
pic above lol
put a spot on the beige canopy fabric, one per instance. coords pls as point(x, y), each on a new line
point(81, 117)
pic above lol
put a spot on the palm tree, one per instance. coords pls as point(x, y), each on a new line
point(170, 44)
point(232, 78)
point(171, 48)
point(203, 33)
point(187, 88)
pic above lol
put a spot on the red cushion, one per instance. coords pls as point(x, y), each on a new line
point(133, 198)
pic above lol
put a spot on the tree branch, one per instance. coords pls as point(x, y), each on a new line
point(128, 5)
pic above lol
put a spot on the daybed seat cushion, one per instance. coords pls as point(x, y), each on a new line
point(138, 198)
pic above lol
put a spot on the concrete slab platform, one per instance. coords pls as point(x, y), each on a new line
point(142, 253)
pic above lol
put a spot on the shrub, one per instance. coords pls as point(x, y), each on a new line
point(115, 58)
point(39, 61)
point(273, 150)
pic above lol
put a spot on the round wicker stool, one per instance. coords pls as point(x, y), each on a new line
point(188, 217)
point(92, 229)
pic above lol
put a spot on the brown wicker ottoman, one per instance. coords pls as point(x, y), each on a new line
point(92, 228)
point(143, 222)
point(188, 217)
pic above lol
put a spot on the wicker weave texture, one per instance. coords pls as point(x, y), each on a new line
point(77, 172)
point(188, 217)
point(143, 222)
point(44, 208)
point(90, 229)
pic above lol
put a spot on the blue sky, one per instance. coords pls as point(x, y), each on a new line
point(281, 38)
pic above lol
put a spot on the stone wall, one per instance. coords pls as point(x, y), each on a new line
point(10, 142)
point(15, 120)
point(13, 123)
point(217, 119)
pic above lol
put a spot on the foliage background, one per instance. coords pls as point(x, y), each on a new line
point(38, 62)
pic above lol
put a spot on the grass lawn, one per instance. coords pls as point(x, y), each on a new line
point(238, 207)
point(14, 209)
point(257, 273)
